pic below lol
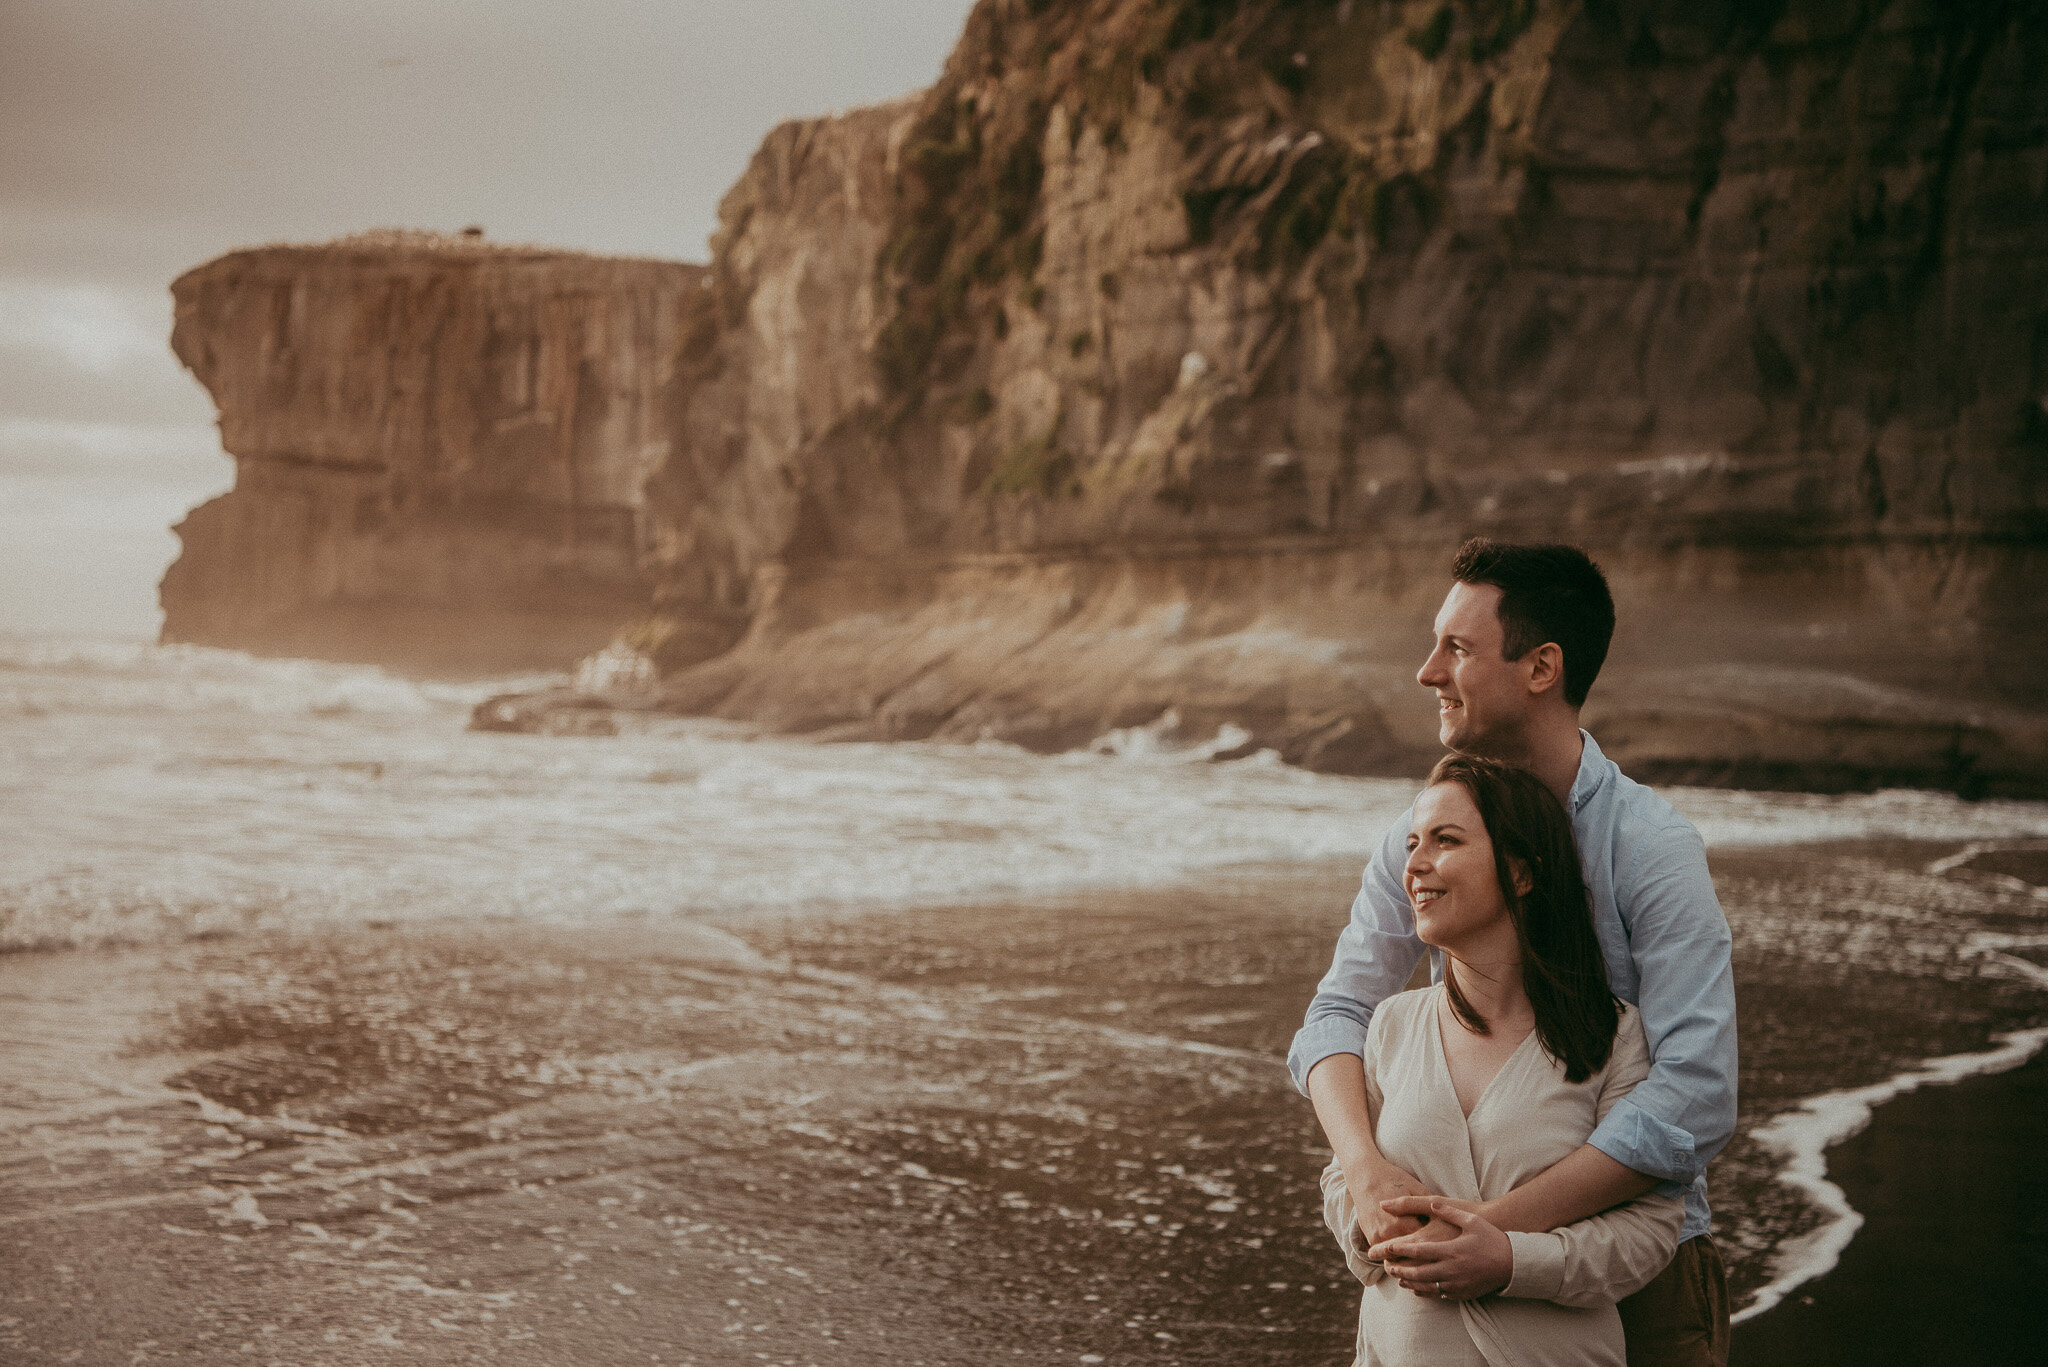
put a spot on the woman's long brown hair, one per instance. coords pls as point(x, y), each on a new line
point(1563, 971)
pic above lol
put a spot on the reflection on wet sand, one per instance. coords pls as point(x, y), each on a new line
point(638, 1144)
point(1048, 1132)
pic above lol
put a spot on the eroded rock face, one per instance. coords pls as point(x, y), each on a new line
point(1744, 298)
point(774, 366)
point(1748, 273)
point(1157, 359)
point(440, 448)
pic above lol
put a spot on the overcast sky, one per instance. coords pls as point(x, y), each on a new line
point(141, 137)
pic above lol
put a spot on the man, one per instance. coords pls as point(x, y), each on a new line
point(1519, 640)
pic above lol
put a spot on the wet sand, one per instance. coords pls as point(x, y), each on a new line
point(1951, 1264)
point(650, 1144)
point(1047, 1132)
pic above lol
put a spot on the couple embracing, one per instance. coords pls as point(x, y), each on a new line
point(1520, 1148)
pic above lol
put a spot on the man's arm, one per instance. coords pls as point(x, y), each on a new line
point(1582, 1183)
point(1376, 953)
point(1337, 1087)
point(1683, 1113)
point(1375, 956)
point(1479, 1260)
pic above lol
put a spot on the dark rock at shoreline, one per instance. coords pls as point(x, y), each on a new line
point(550, 712)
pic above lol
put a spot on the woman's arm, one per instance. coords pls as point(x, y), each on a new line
point(1598, 1261)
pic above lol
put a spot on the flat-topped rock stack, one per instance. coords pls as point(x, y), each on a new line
point(441, 447)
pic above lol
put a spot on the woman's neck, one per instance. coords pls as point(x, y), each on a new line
point(1493, 987)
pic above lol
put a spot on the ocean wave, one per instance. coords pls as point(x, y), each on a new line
point(86, 674)
point(1729, 818)
point(156, 792)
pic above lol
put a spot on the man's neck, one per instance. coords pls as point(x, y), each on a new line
point(1551, 750)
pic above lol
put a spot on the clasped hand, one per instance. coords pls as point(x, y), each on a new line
point(1458, 1255)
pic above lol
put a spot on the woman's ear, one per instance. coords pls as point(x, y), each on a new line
point(1524, 882)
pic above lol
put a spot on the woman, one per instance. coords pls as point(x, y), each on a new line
point(1484, 1080)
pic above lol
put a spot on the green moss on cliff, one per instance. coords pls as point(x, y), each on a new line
point(1035, 465)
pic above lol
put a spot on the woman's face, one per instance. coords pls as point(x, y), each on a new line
point(1450, 875)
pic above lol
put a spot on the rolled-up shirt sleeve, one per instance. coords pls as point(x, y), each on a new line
point(1674, 1122)
point(1375, 956)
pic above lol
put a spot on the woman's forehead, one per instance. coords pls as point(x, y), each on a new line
point(1445, 803)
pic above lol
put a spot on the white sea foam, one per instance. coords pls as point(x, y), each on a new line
point(153, 793)
point(1728, 818)
point(1805, 1134)
point(161, 792)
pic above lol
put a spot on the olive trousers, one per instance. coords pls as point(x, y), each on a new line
point(1681, 1318)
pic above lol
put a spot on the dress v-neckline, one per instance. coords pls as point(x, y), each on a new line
point(1443, 1059)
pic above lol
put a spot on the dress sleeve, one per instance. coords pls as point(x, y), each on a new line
point(1616, 1253)
point(1341, 1216)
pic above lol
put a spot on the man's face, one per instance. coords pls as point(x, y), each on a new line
point(1483, 701)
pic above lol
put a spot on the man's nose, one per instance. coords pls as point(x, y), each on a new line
point(1431, 674)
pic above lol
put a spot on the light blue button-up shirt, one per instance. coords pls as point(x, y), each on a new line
point(1667, 949)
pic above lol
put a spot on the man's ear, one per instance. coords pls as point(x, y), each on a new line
point(1545, 665)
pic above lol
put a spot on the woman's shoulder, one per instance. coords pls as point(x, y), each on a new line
point(1403, 1009)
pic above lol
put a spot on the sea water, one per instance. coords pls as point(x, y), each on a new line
point(158, 792)
point(167, 797)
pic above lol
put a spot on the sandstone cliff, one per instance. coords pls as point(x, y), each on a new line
point(440, 448)
point(1147, 369)
point(1200, 332)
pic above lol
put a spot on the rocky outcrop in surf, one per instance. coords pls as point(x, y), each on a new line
point(440, 448)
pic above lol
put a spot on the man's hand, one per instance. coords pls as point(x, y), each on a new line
point(1371, 1188)
point(1459, 1255)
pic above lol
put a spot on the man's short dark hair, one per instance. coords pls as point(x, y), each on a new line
point(1547, 593)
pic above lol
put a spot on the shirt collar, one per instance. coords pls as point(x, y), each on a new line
point(1593, 771)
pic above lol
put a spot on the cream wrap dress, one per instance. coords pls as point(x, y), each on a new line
point(1559, 1306)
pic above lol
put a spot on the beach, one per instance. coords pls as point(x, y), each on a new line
point(421, 1104)
point(1964, 1159)
point(1042, 1132)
